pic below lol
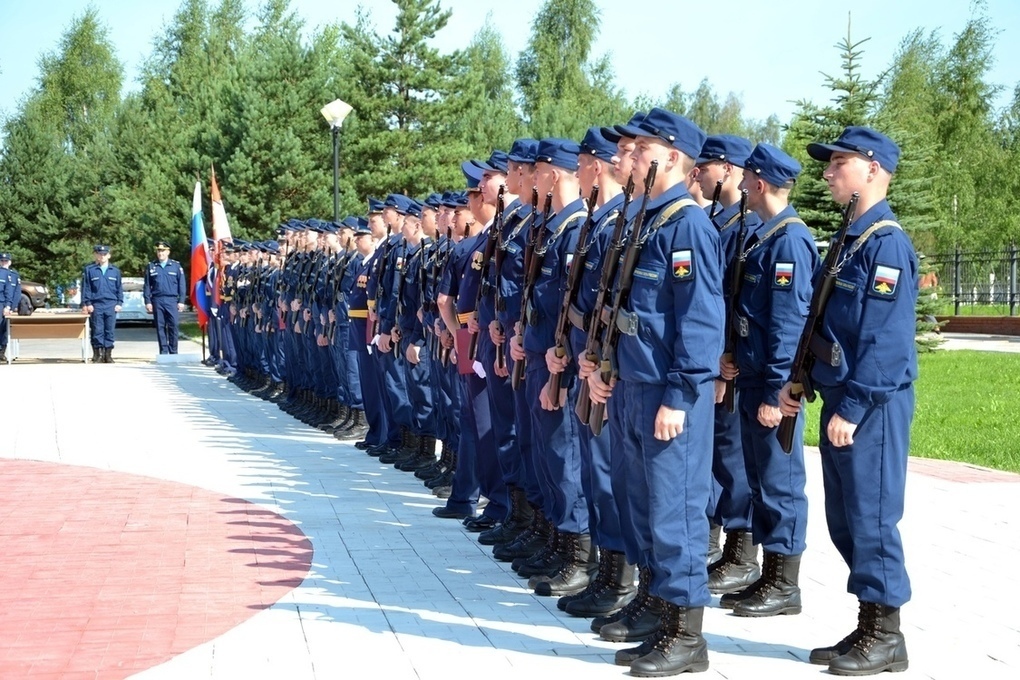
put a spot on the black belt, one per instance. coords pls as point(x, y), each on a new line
point(827, 352)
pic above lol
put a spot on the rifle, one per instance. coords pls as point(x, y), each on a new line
point(736, 284)
point(305, 284)
point(610, 261)
point(444, 352)
point(338, 273)
point(611, 334)
point(379, 271)
point(570, 295)
point(398, 287)
point(498, 302)
point(715, 199)
point(533, 256)
point(483, 284)
point(803, 361)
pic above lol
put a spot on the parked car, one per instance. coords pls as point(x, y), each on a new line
point(133, 308)
point(33, 296)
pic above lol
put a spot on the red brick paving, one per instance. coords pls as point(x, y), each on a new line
point(104, 574)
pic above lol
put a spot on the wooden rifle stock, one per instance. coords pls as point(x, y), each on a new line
point(715, 199)
point(736, 284)
point(800, 375)
point(610, 260)
point(532, 263)
point(611, 333)
point(574, 277)
point(444, 351)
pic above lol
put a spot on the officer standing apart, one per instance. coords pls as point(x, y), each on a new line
point(868, 400)
point(10, 296)
point(165, 292)
point(664, 403)
point(102, 296)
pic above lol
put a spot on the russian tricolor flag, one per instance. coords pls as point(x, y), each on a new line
point(199, 261)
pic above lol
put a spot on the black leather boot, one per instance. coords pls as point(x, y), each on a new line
point(545, 562)
point(780, 592)
point(644, 581)
point(879, 645)
point(618, 588)
point(638, 622)
point(738, 567)
point(597, 584)
point(578, 568)
point(108, 355)
point(679, 646)
point(527, 543)
point(517, 520)
point(97, 354)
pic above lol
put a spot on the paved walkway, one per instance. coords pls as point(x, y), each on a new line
point(161, 524)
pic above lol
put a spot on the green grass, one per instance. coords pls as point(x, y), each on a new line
point(966, 409)
point(948, 309)
point(190, 331)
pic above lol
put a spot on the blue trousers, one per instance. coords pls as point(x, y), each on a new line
point(164, 316)
point(777, 480)
point(675, 479)
point(523, 426)
point(419, 392)
point(104, 323)
point(375, 409)
point(555, 442)
point(730, 505)
point(864, 486)
point(501, 411)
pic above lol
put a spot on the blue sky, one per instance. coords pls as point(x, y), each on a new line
point(769, 53)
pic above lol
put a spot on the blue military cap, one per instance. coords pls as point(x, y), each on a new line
point(458, 199)
point(472, 173)
point(560, 152)
point(772, 164)
point(375, 206)
point(5, 256)
point(498, 161)
point(361, 227)
point(595, 144)
point(314, 225)
point(100, 248)
point(433, 201)
point(398, 202)
point(295, 224)
point(328, 228)
point(728, 148)
point(615, 132)
point(523, 151)
point(414, 209)
point(166, 244)
point(672, 128)
point(871, 144)
point(271, 247)
point(349, 222)
point(449, 199)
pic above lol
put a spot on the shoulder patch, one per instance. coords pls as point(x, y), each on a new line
point(783, 276)
point(683, 265)
point(885, 281)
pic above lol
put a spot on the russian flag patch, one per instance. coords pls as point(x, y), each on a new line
point(783, 277)
point(683, 264)
point(885, 281)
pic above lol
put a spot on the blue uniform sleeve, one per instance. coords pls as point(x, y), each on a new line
point(120, 289)
point(146, 287)
point(793, 260)
point(86, 288)
point(885, 354)
point(182, 287)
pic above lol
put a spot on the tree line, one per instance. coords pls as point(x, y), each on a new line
point(80, 163)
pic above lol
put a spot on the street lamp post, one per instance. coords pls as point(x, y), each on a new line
point(334, 113)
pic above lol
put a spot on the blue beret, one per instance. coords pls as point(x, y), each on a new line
point(871, 144)
point(375, 206)
point(596, 144)
point(772, 164)
point(100, 248)
point(497, 162)
point(728, 148)
point(672, 128)
point(523, 151)
point(472, 173)
point(562, 153)
point(614, 133)
point(5, 256)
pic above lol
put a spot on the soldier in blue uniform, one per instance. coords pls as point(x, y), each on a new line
point(10, 296)
point(772, 304)
point(102, 296)
point(720, 168)
point(668, 359)
point(165, 292)
point(868, 400)
point(569, 561)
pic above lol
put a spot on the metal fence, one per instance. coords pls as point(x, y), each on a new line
point(980, 281)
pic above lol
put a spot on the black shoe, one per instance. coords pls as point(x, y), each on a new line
point(479, 523)
point(445, 512)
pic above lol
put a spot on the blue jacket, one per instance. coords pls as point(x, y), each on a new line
point(773, 304)
point(678, 297)
point(101, 289)
point(10, 289)
point(872, 316)
point(165, 282)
